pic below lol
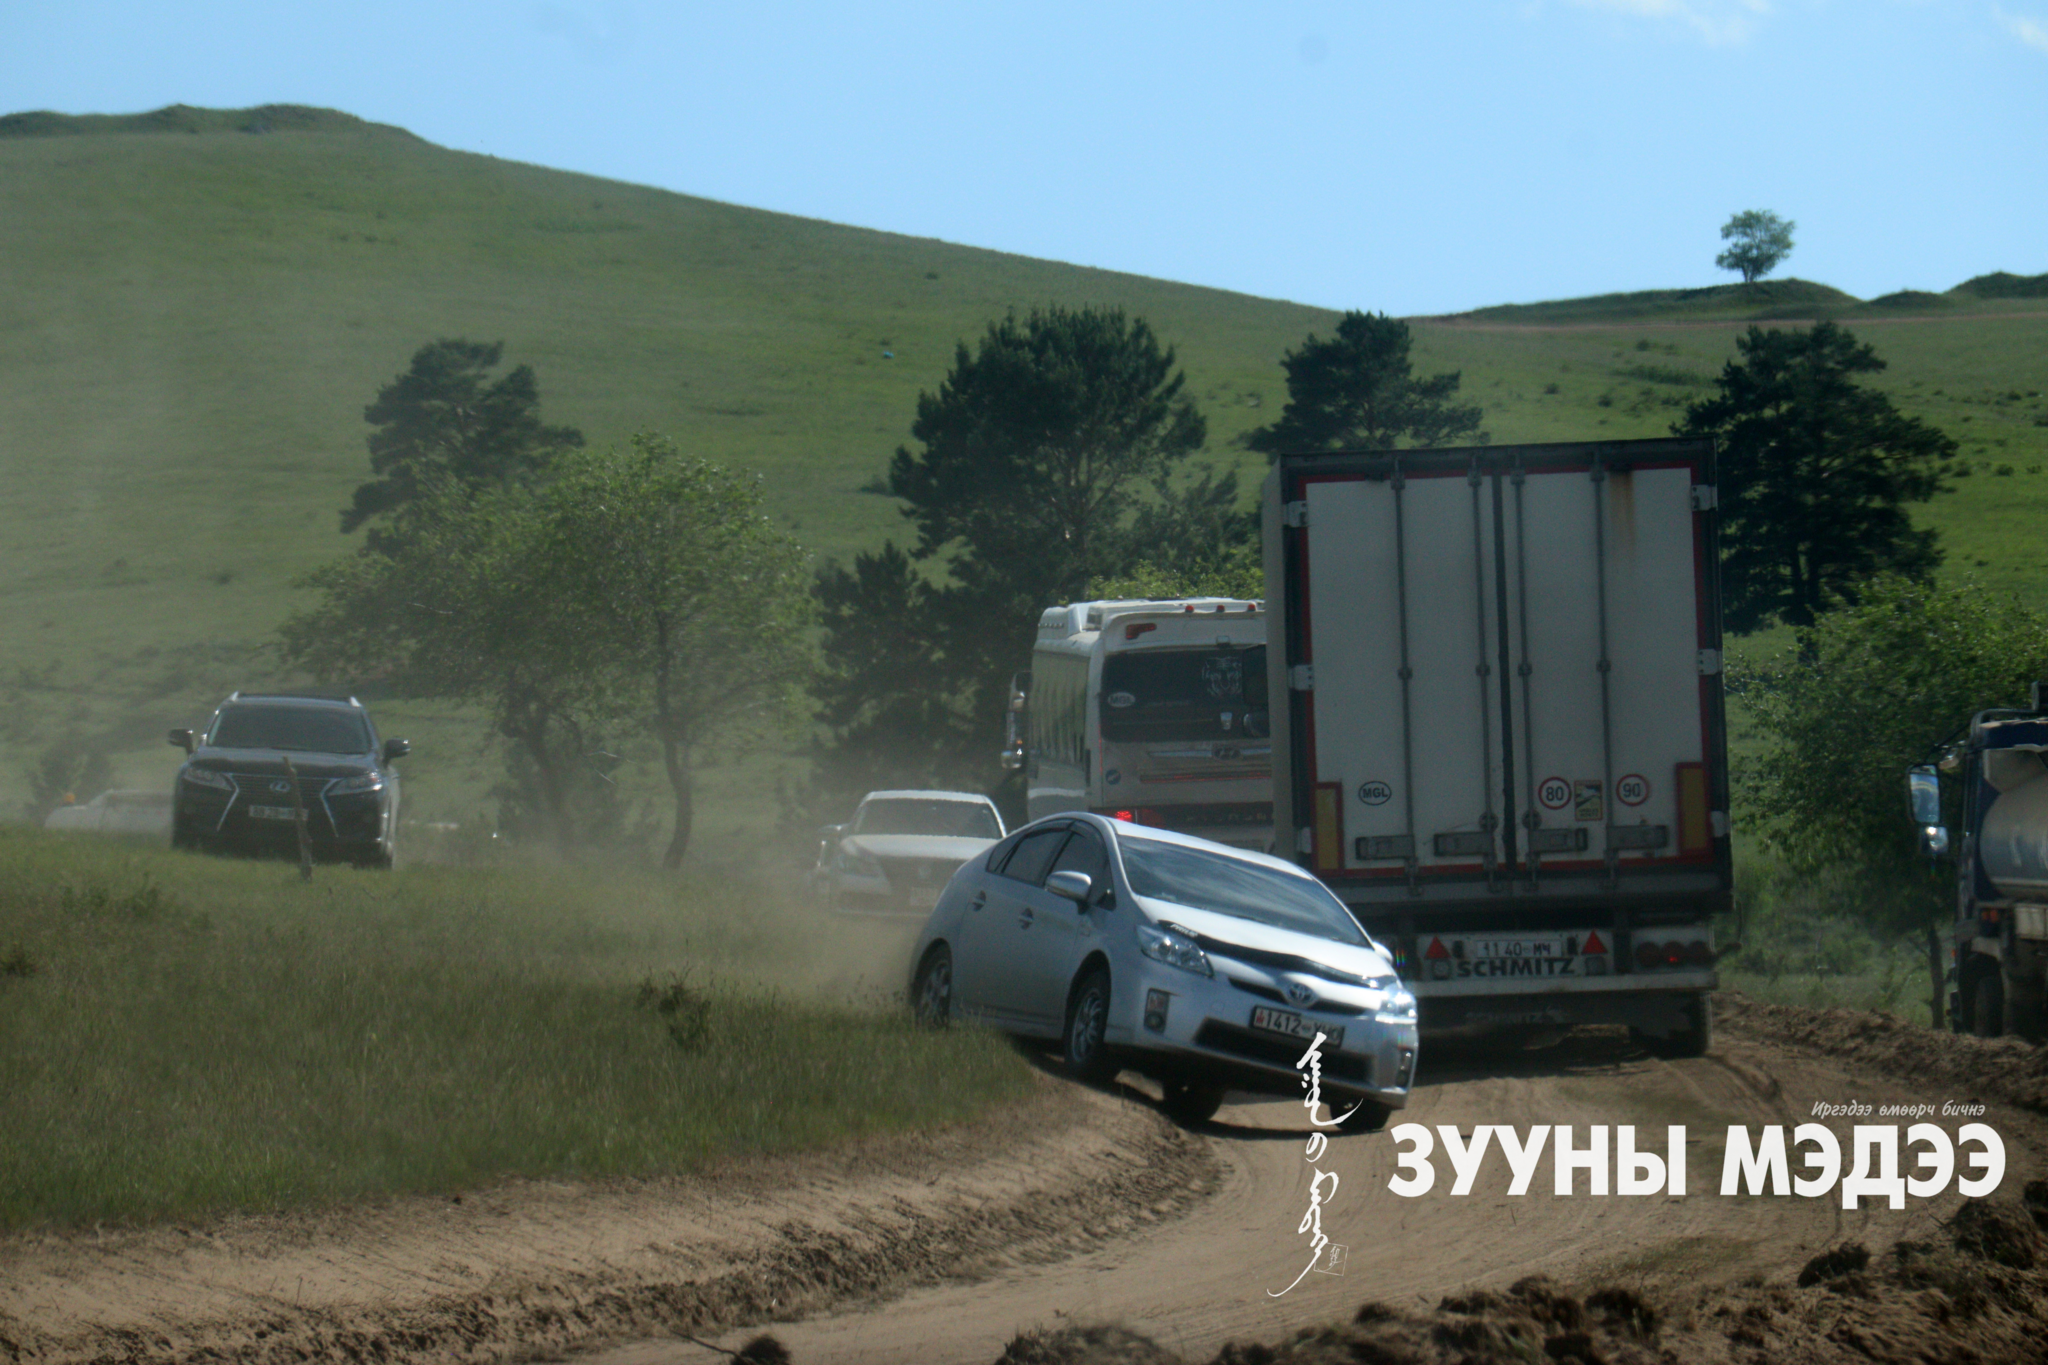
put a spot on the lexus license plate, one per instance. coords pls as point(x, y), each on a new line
point(272, 813)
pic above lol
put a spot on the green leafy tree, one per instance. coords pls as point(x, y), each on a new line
point(1867, 691)
point(446, 420)
point(888, 719)
point(1815, 474)
point(1053, 453)
point(1760, 240)
point(1039, 445)
point(693, 607)
point(463, 608)
point(640, 590)
point(1358, 391)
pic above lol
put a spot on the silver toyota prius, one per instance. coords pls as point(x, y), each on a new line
point(1208, 968)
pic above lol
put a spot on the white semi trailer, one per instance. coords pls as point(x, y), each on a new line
point(2000, 939)
point(1495, 681)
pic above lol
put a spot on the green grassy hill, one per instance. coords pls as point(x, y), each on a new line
point(198, 304)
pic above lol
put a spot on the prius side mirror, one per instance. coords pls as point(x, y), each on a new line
point(1071, 885)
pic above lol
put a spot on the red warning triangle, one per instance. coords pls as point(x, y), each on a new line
point(1436, 949)
point(1592, 944)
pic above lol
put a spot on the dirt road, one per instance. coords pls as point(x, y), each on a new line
point(1086, 1207)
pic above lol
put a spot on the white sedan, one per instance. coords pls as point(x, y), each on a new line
point(901, 847)
point(1205, 967)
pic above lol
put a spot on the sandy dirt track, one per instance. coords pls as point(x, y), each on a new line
point(1083, 1207)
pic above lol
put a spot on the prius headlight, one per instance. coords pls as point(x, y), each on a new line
point(1397, 1008)
point(1173, 945)
point(361, 782)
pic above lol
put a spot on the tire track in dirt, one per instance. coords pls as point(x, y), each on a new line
point(543, 1268)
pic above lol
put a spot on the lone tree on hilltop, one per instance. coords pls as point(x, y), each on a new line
point(1761, 239)
point(1358, 391)
point(1815, 473)
point(443, 420)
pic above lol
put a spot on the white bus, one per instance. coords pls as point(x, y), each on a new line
point(1149, 711)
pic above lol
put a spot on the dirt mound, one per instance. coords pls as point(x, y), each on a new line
point(1985, 1298)
point(550, 1269)
point(2007, 1069)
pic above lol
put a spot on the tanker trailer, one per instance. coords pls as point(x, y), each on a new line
point(2000, 939)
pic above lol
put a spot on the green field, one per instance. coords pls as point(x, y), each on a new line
point(198, 306)
point(182, 1036)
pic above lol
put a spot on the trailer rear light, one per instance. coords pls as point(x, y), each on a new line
point(1654, 956)
point(1132, 632)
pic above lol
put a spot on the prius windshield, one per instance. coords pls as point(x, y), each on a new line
point(1196, 877)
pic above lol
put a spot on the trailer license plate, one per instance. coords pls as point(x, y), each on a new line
point(272, 813)
point(1270, 1020)
point(1544, 946)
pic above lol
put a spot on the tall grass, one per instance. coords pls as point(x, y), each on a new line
point(1814, 939)
point(181, 1036)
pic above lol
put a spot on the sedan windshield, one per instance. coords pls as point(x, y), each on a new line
point(962, 819)
point(1205, 880)
point(300, 728)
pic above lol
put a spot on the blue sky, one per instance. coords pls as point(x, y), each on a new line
point(1408, 157)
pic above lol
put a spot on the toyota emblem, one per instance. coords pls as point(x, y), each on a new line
point(1300, 995)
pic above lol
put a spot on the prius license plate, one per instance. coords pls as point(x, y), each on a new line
point(1269, 1020)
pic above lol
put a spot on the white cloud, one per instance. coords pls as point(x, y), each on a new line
point(2032, 32)
point(1715, 21)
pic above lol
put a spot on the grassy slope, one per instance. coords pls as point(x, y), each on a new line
point(194, 316)
point(183, 1035)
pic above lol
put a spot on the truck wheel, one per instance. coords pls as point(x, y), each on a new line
point(1694, 1039)
point(1987, 1005)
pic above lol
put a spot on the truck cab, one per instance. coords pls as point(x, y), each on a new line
point(1999, 942)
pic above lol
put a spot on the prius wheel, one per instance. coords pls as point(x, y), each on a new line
point(931, 998)
point(1369, 1117)
point(1087, 1024)
point(1192, 1103)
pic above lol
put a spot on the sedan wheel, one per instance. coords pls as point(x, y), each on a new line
point(931, 999)
point(1369, 1117)
point(1192, 1103)
point(1087, 1022)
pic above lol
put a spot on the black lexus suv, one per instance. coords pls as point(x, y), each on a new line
point(233, 793)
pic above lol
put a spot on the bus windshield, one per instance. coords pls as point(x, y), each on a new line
point(1168, 694)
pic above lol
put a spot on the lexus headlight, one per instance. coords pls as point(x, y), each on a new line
point(361, 782)
point(206, 777)
point(856, 863)
point(1173, 945)
point(1397, 1008)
